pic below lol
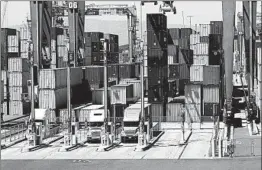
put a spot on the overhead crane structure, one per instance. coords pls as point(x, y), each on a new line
point(119, 9)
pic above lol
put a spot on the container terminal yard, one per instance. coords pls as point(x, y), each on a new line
point(169, 93)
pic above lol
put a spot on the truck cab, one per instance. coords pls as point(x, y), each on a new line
point(95, 123)
point(41, 124)
point(131, 121)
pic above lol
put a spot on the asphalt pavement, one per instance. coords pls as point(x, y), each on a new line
point(217, 164)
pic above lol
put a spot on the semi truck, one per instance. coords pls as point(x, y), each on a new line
point(131, 121)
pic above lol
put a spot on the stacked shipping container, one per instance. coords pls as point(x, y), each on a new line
point(15, 86)
point(53, 87)
point(157, 57)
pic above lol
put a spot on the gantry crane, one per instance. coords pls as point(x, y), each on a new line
point(119, 9)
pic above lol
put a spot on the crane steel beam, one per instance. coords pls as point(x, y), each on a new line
point(246, 21)
point(76, 19)
point(41, 17)
point(253, 45)
point(228, 9)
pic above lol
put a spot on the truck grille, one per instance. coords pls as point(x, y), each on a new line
point(95, 134)
point(130, 132)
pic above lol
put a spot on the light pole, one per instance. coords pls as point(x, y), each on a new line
point(0, 85)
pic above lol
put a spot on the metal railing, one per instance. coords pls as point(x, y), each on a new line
point(241, 147)
point(13, 133)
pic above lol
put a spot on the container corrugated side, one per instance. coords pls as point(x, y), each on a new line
point(98, 96)
point(120, 94)
point(157, 110)
point(52, 99)
point(173, 112)
point(211, 75)
point(194, 39)
point(16, 108)
point(52, 78)
point(194, 48)
point(94, 74)
point(15, 93)
point(52, 117)
point(63, 115)
point(201, 60)
point(18, 65)
point(18, 78)
point(259, 59)
point(13, 43)
point(4, 77)
point(204, 29)
point(196, 73)
point(202, 49)
point(211, 94)
point(24, 46)
point(193, 93)
point(136, 86)
point(193, 113)
point(76, 76)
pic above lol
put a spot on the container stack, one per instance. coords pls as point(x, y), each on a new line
point(157, 63)
point(93, 54)
point(24, 37)
point(174, 36)
point(16, 87)
point(216, 35)
point(184, 41)
point(113, 56)
point(58, 48)
point(94, 76)
point(53, 87)
point(10, 44)
point(126, 71)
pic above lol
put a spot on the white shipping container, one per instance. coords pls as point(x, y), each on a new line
point(24, 33)
point(53, 46)
point(24, 46)
point(207, 75)
point(61, 40)
point(18, 64)
point(121, 93)
point(193, 93)
point(13, 41)
point(194, 39)
point(24, 55)
point(62, 52)
point(4, 77)
point(98, 96)
point(52, 99)
point(19, 78)
point(15, 93)
point(53, 61)
point(85, 112)
point(136, 86)
point(4, 107)
point(170, 59)
point(211, 94)
point(173, 112)
point(201, 60)
point(13, 49)
point(193, 113)
point(202, 49)
point(259, 56)
point(204, 29)
point(16, 108)
point(193, 47)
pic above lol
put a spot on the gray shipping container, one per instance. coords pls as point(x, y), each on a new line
point(98, 96)
point(193, 113)
point(193, 94)
point(19, 78)
point(18, 64)
point(94, 74)
point(157, 112)
point(206, 75)
point(211, 94)
point(52, 99)
point(173, 112)
point(121, 94)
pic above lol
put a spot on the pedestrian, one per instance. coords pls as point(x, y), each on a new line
point(182, 116)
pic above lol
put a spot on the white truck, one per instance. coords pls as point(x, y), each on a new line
point(93, 117)
point(132, 117)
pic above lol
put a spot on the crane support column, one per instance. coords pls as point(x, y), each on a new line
point(259, 57)
point(253, 34)
point(228, 9)
point(130, 35)
point(41, 18)
point(247, 39)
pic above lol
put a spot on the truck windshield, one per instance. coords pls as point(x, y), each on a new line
point(96, 124)
point(131, 124)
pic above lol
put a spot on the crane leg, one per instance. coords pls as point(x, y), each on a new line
point(228, 9)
